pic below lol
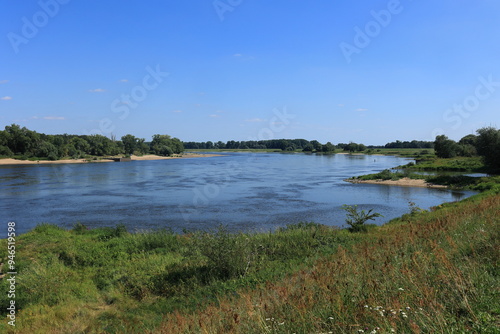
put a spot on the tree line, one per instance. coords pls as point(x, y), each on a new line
point(22, 142)
point(485, 144)
point(302, 144)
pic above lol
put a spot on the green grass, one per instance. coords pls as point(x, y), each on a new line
point(458, 164)
point(305, 278)
point(404, 152)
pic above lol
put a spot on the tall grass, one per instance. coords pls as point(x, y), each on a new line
point(432, 272)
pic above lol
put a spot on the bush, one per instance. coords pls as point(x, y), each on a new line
point(229, 255)
point(357, 219)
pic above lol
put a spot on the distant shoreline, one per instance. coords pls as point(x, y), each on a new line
point(10, 161)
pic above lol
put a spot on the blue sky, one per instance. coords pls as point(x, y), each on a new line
point(339, 71)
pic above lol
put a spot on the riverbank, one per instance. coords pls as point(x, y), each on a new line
point(10, 161)
point(403, 182)
point(305, 278)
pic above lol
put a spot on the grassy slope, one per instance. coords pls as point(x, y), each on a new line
point(431, 272)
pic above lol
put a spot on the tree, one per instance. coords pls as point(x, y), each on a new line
point(166, 146)
point(446, 148)
point(316, 145)
point(308, 148)
point(47, 150)
point(328, 147)
point(488, 146)
point(130, 144)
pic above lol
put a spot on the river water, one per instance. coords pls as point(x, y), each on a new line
point(244, 191)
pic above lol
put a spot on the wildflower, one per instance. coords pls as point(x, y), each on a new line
point(331, 318)
point(360, 331)
point(366, 306)
point(401, 289)
point(407, 307)
point(281, 323)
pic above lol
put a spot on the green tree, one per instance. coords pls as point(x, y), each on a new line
point(166, 146)
point(446, 148)
point(47, 150)
point(130, 144)
point(328, 147)
point(488, 146)
point(316, 145)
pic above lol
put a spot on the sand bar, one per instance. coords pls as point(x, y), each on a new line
point(404, 182)
point(10, 161)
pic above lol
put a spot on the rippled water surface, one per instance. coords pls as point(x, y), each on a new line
point(244, 191)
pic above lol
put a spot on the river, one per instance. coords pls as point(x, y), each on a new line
point(244, 191)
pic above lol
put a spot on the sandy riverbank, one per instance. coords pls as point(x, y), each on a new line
point(404, 182)
point(10, 161)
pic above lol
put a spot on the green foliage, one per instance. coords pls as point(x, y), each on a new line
point(357, 219)
point(166, 145)
point(130, 144)
point(229, 255)
point(328, 147)
point(21, 143)
point(446, 148)
point(488, 146)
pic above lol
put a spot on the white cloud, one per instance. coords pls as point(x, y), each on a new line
point(341, 105)
point(3, 82)
point(237, 55)
point(97, 90)
point(214, 116)
point(177, 111)
point(361, 109)
point(255, 120)
point(54, 118)
point(123, 80)
point(6, 98)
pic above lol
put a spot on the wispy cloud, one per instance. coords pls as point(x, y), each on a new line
point(242, 57)
point(97, 90)
point(361, 109)
point(124, 80)
point(54, 118)
point(3, 82)
point(177, 111)
point(341, 105)
point(6, 98)
point(214, 116)
point(255, 120)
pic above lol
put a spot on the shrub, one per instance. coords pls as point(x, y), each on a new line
point(229, 255)
point(357, 219)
